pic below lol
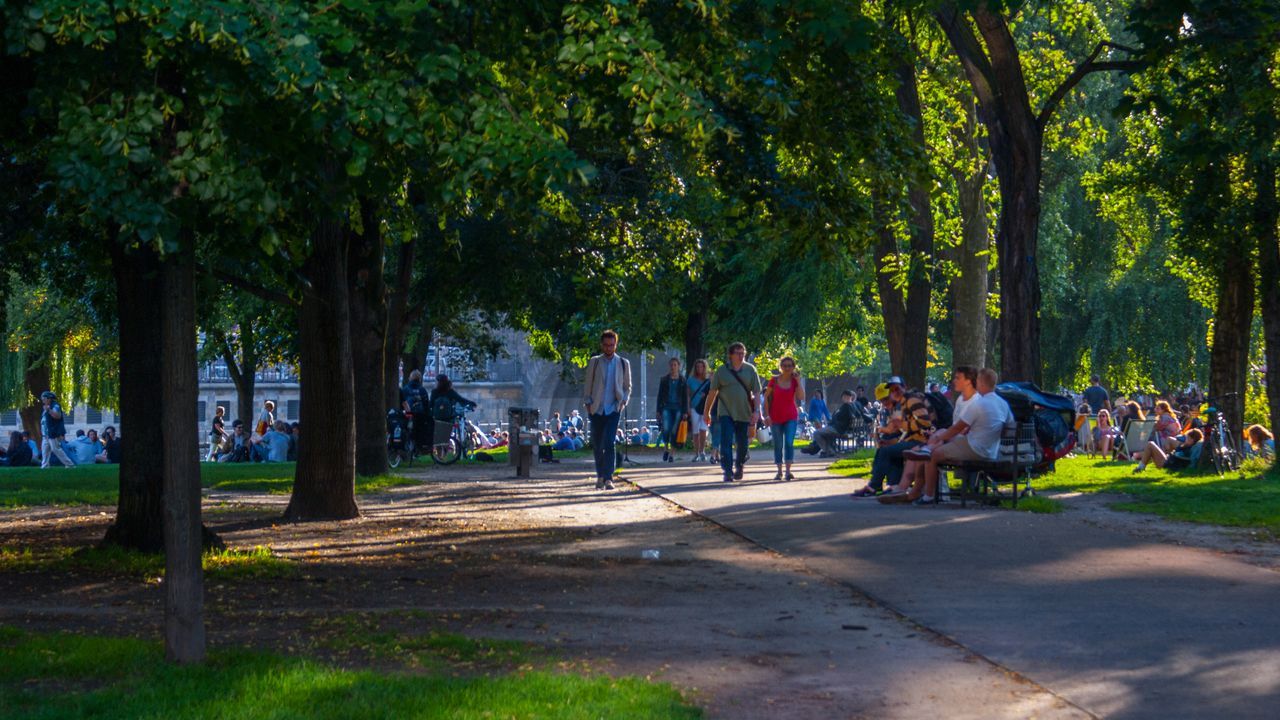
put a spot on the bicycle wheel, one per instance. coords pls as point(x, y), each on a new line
point(1221, 459)
point(1232, 453)
point(394, 456)
point(447, 453)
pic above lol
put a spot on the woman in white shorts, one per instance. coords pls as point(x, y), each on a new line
point(699, 384)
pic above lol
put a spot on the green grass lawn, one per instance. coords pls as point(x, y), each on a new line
point(99, 484)
point(65, 676)
point(1249, 499)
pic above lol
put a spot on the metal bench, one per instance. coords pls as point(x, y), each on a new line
point(1019, 457)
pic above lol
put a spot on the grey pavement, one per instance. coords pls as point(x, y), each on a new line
point(1121, 626)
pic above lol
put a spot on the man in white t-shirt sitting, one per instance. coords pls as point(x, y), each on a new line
point(980, 417)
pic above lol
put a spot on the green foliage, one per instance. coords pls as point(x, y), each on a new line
point(73, 676)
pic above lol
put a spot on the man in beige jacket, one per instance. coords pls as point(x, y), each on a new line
point(608, 386)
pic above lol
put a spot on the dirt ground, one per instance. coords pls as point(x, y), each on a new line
point(744, 632)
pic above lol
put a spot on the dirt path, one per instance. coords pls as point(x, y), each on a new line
point(747, 633)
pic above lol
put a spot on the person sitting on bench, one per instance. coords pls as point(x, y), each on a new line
point(825, 438)
point(889, 463)
point(981, 416)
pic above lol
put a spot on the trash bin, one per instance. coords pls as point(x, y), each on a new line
point(522, 423)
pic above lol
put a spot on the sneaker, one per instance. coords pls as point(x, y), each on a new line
point(665, 455)
point(608, 485)
point(922, 500)
point(825, 454)
point(728, 478)
point(894, 498)
point(599, 484)
point(737, 473)
point(866, 492)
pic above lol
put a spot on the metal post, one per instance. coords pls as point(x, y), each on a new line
point(644, 386)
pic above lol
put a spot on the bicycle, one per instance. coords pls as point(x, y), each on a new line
point(458, 443)
point(400, 445)
point(1219, 441)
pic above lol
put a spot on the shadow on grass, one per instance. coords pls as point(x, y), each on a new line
point(73, 676)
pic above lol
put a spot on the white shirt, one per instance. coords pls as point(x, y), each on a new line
point(987, 417)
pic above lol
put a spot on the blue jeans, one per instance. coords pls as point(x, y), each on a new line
point(731, 431)
point(604, 431)
point(670, 424)
point(784, 436)
point(888, 464)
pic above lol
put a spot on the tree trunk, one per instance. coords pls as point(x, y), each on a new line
point(37, 381)
point(969, 290)
point(892, 306)
point(368, 335)
point(695, 341)
point(139, 510)
point(399, 319)
point(324, 480)
point(1229, 355)
point(919, 297)
point(244, 373)
point(184, 631)
point(1266, 217)
point(994, 70)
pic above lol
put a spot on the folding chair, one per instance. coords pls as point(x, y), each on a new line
point(1134, 439)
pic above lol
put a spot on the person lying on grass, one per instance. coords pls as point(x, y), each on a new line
point(1182, 456)
point(1261, 442)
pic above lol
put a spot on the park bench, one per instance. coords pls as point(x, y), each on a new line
point(980, 479)
point(858, 437)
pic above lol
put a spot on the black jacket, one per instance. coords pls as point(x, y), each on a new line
point(682, 392)
point(842, 421)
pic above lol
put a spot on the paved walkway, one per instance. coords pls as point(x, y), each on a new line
point(1120, 626)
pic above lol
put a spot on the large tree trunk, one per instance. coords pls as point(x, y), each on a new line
point(1229, 355)
point(324, 480)
point(139, 510)
point(184, 631)
point(919, 296)
point(36, 378)
point(1266, 216)
point(969, 290)
point(368, 335)
point(1014, 132)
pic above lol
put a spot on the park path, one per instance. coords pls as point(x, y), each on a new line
point(1116, 624)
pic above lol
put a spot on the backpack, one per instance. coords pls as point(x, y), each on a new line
point(442, 408)
point(942, 409)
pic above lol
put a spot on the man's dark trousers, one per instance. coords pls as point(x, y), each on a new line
point(732, 431)
point(604, 431)
point(888, 463)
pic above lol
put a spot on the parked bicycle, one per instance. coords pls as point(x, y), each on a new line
point(458, 443)
point(400, 445)
point(1219, 440)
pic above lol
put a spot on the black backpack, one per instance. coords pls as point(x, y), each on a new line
point(442, 408)
point(942, 409)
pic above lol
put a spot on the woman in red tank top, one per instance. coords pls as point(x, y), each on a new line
point(782, 397)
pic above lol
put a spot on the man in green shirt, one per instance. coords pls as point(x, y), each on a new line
point(737, 386)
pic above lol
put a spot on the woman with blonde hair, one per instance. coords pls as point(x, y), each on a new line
point(699, 383)
point(1167, 426)
point(1105, 434)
